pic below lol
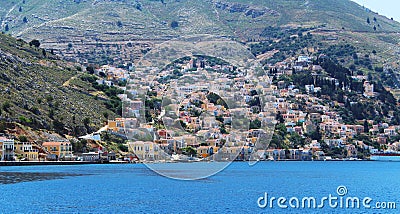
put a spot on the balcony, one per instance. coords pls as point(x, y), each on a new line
point(31, 150)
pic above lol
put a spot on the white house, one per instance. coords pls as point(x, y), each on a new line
point(7, 149)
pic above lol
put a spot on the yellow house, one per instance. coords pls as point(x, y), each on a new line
point(121, 125)
point(61, 149)
point(203, 151)
point(27, 150)
point(116, 125)
point(145, 151)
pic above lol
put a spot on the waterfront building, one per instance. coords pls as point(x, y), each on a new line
point(145, 151)
point(27, 150)
point(91, 156)
point(60, 149)
point(6, 149)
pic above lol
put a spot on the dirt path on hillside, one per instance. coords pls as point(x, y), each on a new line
point(66, 83)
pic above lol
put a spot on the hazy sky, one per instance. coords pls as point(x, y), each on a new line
point(388, 8)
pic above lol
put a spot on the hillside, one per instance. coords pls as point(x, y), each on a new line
point(34, 93)
point(120, 31)
point(45, 86)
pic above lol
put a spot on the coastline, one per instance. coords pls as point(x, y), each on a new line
point(61, 163)
point(42, 163)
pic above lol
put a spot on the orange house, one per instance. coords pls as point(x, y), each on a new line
point(61, 149)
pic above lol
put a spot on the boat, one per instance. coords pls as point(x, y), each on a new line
point(386, 156)
point(179, 158)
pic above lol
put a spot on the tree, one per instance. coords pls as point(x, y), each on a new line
point(22, 138)
point(366, 126)
point(3, 126)
point(58, 126)
point(223, 130)
point(280, 118)
point(78, 146)
point(86, 121)
point(189, 151)
point(355, 56)
point(6, 106)
point(35, 43)
point(139, 6)
point(296, 140)
point(183, 124)
point(7, 28)
point(316, 135)
point(374, 19)
point(174, 24)
point(90, 69)
point(123, 148)
point(119, 24)
point(51, 113)
point(20, 9)
point(25, 20)
point(256, 124)
point(374, 28)
point(368, 21)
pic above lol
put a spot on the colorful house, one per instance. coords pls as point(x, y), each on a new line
point(6, 149)
point(145, 151)
point(27, 150)
point(60, 149)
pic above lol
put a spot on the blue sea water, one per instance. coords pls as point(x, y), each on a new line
point(133, 188)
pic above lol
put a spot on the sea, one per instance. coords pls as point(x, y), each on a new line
point(239, 188)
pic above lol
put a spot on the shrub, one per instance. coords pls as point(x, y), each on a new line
point(35, 43)
point(123, 148)
point(22, 138)
point(174, 24)
point(6, 106)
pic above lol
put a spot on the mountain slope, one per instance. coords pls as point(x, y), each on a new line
point(119, 31)
point(151, 17)
point(34, 93)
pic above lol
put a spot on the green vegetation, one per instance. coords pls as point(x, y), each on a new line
point(288, 46)
point(340, 51)
point(113, 103)
point(114, 142)
point(34, 43)
point(271, 32)
point(35, 96)
point(190, 151)
point(148, 19)
point(174, 24)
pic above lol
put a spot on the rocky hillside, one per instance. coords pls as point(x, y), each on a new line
point(42, 92)
point(119, 31)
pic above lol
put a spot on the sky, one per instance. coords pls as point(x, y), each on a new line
point(388, 8)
